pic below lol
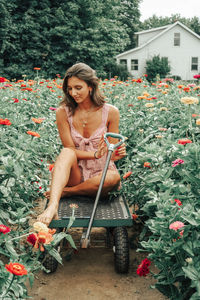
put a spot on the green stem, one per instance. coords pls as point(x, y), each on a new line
point(6, 291)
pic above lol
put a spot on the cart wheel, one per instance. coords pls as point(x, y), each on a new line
point(121, 250)
point(50, 263)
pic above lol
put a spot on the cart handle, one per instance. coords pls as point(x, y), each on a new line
point(114, 135)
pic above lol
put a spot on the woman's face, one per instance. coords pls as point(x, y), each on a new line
point(78, 89)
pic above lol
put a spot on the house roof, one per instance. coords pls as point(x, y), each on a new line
point(165, 29)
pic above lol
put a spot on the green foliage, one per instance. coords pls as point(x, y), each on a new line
point(155, 21)
point(157, 66)
point(53, 35)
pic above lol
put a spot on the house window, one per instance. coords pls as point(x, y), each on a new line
point(123, 62)
point(194, 65)
point(177, 38)
point(134, 64)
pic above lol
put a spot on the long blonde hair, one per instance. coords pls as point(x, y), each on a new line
point(86, 73)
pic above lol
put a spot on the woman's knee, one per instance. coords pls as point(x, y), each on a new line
point(113, 179)
point(66, 155)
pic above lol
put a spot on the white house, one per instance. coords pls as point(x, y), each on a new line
point(176, 42)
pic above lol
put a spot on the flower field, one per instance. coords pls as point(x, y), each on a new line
point(160, 176)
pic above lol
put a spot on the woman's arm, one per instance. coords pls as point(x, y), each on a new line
point(65, 135)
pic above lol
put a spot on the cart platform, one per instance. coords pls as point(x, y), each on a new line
point(109, 213)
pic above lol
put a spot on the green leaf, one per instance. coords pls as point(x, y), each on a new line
point(53, 252)
point(191, 273)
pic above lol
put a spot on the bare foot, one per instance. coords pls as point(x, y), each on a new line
point(49, 214)
point(65, 193)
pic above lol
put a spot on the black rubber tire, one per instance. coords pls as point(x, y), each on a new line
point(50, 263)
point(121, 250)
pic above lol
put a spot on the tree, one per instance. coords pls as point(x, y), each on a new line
point(157, 66)
point(154, 21)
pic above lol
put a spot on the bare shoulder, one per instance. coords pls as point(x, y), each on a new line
point(61, 112)
point(113, 111)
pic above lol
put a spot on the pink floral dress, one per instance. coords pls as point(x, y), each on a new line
point(91, 167)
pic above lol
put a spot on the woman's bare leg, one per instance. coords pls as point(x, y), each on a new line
point(65, 167)
point(90, 186)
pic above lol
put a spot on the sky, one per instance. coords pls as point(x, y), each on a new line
point(186, 8)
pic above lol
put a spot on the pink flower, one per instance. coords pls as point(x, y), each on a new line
point(177, 162)
point(176, 225)
point(52, 108)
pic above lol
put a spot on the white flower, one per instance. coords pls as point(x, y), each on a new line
point(189, 260)
point(40, 227)
point(189, 100)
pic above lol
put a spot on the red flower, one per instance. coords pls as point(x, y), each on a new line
point(178, 202)
point(32, 238)
point(127, 174)
point(134, 216)
point(33, 133)
point(2, 79)
point(51, 166)
point(4, 229)
point(143, 268)
point(5, 122)
point(184, 141)
point(16, 269)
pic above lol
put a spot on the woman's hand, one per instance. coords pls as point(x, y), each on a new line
point(102, 148)
point(119, 153)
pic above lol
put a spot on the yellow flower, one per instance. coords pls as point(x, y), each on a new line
point(163, 108)
point(40, 227)
point(149, 105)
point(189, 100)
point(198, 122)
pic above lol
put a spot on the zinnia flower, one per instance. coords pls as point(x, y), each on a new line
point(33, 133)
point(163, 109)
point(16, 269)
point(147, 165)
point(127, 174)
point(2, 79)
point(149, 105)
point(176, 225)
point(42, 239)
point(32, 238)
point(52, 108)
point(38, 121)
point(189, 100)
point(177, 162)
point(36, 68)
point(196, 76)
point(73, 205)
point(4, 229)
point(143, 268)
point(184, 141)
point(178, 202)
point(5, 122)
point(198, 122)
point(39, 226)
point(51, 166)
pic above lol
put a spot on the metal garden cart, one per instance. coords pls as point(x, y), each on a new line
point(114, 215)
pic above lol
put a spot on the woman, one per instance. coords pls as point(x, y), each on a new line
point(82, 119)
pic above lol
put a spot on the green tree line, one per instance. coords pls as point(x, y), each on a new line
point(54, 34)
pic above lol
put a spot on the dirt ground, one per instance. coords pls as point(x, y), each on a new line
point(90, 274)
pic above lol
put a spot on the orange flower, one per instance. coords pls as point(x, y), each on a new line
point(36, 68)
point(33, 133)
point(127, 174)
point(147, 165)
point(38, 121)
point(16, 269)
point(51, 166)
point(42, 239)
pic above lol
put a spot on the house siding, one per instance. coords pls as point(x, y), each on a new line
point(180, 57)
